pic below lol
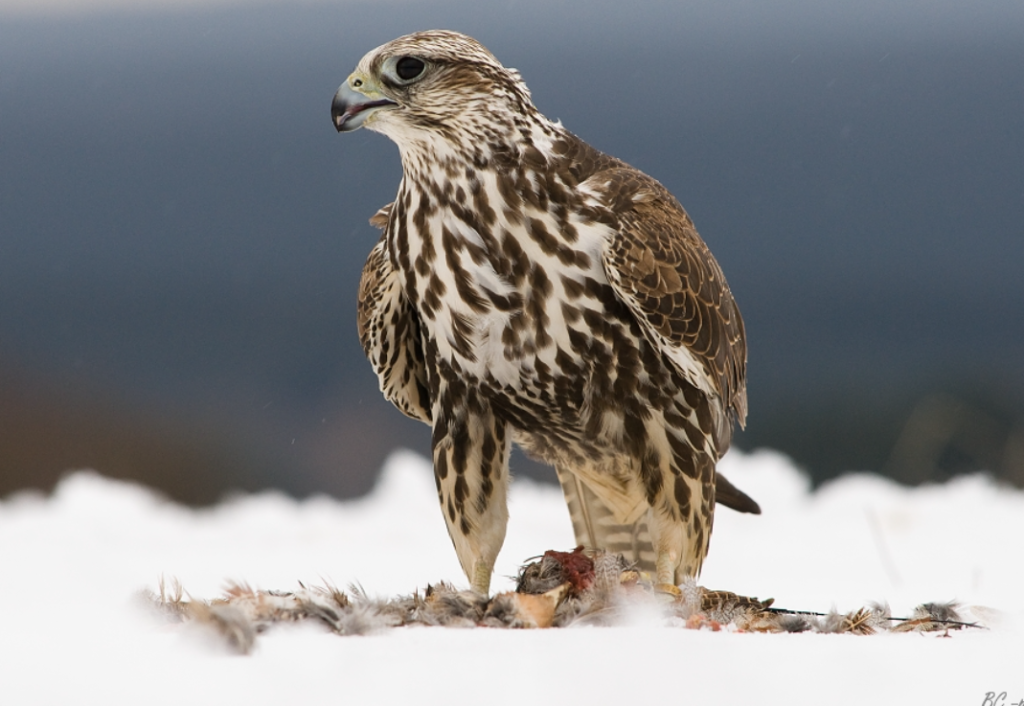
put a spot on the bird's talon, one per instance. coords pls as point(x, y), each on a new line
point(668, 590)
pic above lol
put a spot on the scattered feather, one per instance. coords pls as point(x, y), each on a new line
point(557, 589)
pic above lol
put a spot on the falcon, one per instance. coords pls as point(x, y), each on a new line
point(528, 288)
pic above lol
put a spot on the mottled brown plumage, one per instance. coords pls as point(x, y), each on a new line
point(528, 287)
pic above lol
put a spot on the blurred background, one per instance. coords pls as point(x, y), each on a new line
point(182, 230)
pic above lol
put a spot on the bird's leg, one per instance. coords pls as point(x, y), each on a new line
point(598, 526)
point(471, 469)
point(682, 507)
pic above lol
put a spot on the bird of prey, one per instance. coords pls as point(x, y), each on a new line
point(528, 288)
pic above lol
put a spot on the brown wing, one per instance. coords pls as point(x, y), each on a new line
point(663, 271)
point(389, 331)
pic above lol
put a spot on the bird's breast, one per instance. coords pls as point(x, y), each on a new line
point(508, 298)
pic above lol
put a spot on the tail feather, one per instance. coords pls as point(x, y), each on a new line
point(732, 497)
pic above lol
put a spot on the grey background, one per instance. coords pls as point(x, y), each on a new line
point(181, 229)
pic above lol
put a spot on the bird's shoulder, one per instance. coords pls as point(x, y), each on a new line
point(381, 217)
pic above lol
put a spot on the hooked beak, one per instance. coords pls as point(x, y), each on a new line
point(350, 108)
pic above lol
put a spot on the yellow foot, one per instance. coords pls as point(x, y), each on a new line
point(665, 568)
point(668, 590)
point(481, 580)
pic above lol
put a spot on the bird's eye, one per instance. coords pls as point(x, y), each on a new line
point(409, 67)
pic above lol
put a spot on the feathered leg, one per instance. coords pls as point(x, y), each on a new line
point(596, 526)
point(680, 484)
point(471, 450)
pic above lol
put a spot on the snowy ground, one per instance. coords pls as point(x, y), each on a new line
point(72, 630)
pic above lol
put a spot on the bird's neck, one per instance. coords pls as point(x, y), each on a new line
point(443, 155)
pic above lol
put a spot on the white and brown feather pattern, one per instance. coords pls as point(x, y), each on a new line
point(595, 524)
point(389, 334)
point(530, 288)
point(665, 273)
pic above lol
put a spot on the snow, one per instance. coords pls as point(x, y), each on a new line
point(73, 630)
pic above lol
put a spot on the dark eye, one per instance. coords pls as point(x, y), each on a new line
point(408, 68)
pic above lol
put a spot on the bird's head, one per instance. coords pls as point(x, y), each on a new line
point(431, 84)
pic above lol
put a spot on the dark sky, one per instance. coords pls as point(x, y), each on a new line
point(181, 229)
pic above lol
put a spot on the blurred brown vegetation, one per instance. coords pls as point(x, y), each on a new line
point(48, 429)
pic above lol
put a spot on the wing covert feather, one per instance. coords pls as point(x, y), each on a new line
point(663, 271)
